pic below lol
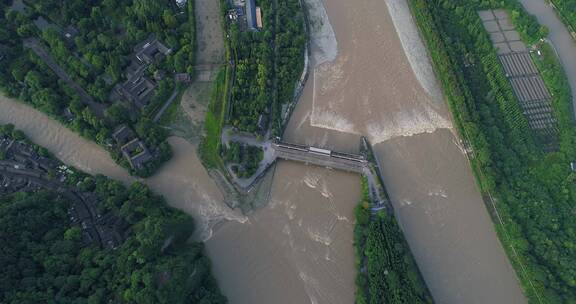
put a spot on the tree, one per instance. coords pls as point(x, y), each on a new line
point(169, 19)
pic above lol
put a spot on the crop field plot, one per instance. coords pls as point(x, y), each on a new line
point(518, 64)
point(502, 32)
point(521, 71)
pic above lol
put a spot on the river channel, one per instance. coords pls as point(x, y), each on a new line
point(368, 79)
point(378, 83)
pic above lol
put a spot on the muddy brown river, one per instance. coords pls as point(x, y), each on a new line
point(379, 83)
point(298, 249)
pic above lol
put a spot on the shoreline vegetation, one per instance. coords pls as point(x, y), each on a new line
point(46, 257)
point(386, 269)
point(214, 119)
point(530, 193)
point(256, 90)
point(566, 9)
point(75, 63)
point(218, 107)
point(267, 65)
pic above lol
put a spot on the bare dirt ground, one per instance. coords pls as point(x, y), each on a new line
point(210, 39)
point(191, 111)
point(210, 53)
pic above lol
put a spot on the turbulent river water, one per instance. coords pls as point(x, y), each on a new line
point(378, 83)
point(369, 79)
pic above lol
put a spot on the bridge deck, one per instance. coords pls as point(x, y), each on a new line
point(320, 157)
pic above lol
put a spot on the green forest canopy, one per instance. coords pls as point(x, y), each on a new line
point(386, 270)
point(42, 259)
point(96, 58)
point(535, 192)
point(268, 64)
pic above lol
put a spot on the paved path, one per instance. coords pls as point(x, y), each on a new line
point(35, 45)
point(229, 135)
point(165, 106)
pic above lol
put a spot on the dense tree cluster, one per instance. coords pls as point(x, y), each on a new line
point(245, 159)
point(105, 33)
point(535, 193)
point(252, 89)
point(387, 272)
point(290, 43)
point(268, 64)
point(44, 258)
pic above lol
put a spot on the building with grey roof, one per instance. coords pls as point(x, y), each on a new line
point(150, 50)
point(123, 134)
point(251, 14)
point(138, 91)
point(136, 153)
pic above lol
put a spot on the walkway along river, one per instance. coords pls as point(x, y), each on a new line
point(299, 248)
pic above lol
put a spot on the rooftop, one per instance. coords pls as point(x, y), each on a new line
point(259, 17)
point(123, 134)
point(148, 50)
point(251, 14)
point(137, 153)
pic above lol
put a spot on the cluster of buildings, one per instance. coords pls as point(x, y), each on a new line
point(138, 88)
point(136, 93)
point(246, 13)
point(23, 169)
point(132, 148)
point(106, 229)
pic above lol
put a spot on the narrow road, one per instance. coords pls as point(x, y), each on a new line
point(229, 135)
point(35, 45)
point(165, 106)
point(560, 37)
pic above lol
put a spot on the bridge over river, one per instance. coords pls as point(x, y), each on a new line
point(356, 163)
point(363, 163)
point(321, 157)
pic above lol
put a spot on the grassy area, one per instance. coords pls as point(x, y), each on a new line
point(171, 114)
point(387, 272)
point(214, 121)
